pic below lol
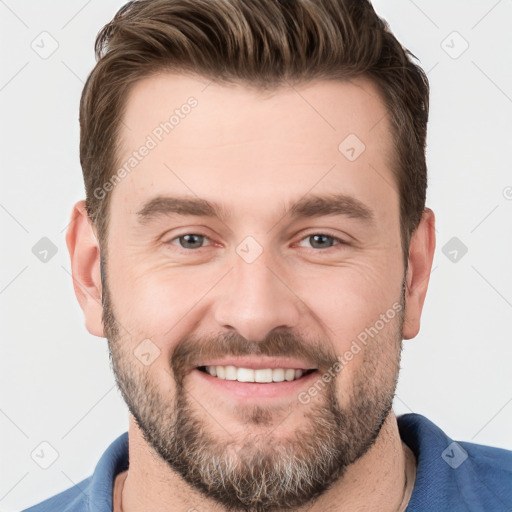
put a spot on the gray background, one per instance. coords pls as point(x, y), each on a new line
point(56, 383)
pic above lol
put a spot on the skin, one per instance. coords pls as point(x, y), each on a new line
point(255, 153)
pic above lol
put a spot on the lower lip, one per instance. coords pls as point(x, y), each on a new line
point(256, 389)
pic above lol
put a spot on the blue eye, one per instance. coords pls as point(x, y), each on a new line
point(322, 241)
point(190, 241)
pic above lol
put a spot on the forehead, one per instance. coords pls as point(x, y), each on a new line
point(211, 140)
point(322, 109)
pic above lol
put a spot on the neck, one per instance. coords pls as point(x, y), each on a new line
point(382, 480)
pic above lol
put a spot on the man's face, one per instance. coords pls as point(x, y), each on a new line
point(310, 294)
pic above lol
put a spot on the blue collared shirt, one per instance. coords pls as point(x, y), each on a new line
point(451, 476)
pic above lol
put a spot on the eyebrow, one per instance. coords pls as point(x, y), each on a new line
point(307, 207)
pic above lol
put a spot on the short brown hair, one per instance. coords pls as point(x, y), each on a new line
point(259, 43)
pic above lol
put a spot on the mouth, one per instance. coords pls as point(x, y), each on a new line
point(255, 379)
point(258, 375)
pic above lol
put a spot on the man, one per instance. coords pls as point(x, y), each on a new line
point(255, 246)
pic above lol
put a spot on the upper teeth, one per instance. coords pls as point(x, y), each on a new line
point(250, 375)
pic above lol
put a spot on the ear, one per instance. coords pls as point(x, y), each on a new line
point(84, 251)
point(421, 254)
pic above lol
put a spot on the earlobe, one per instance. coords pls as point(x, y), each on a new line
point(421, 255)
point(84, 252)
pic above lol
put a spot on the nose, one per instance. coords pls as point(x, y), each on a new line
point(256, 298)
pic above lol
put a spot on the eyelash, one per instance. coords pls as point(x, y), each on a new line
point(339, 241)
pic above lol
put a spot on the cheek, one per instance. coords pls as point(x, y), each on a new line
point(157, 301)
point(351, 298)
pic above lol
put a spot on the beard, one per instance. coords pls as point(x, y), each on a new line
point(257, 471)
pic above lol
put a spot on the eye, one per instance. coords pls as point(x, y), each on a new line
point(322, 241)
point(192, 241)
point(189, 241)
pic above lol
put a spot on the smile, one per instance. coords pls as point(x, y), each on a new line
point(260, 375)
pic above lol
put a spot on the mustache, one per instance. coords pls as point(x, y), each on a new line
point(192, 350)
